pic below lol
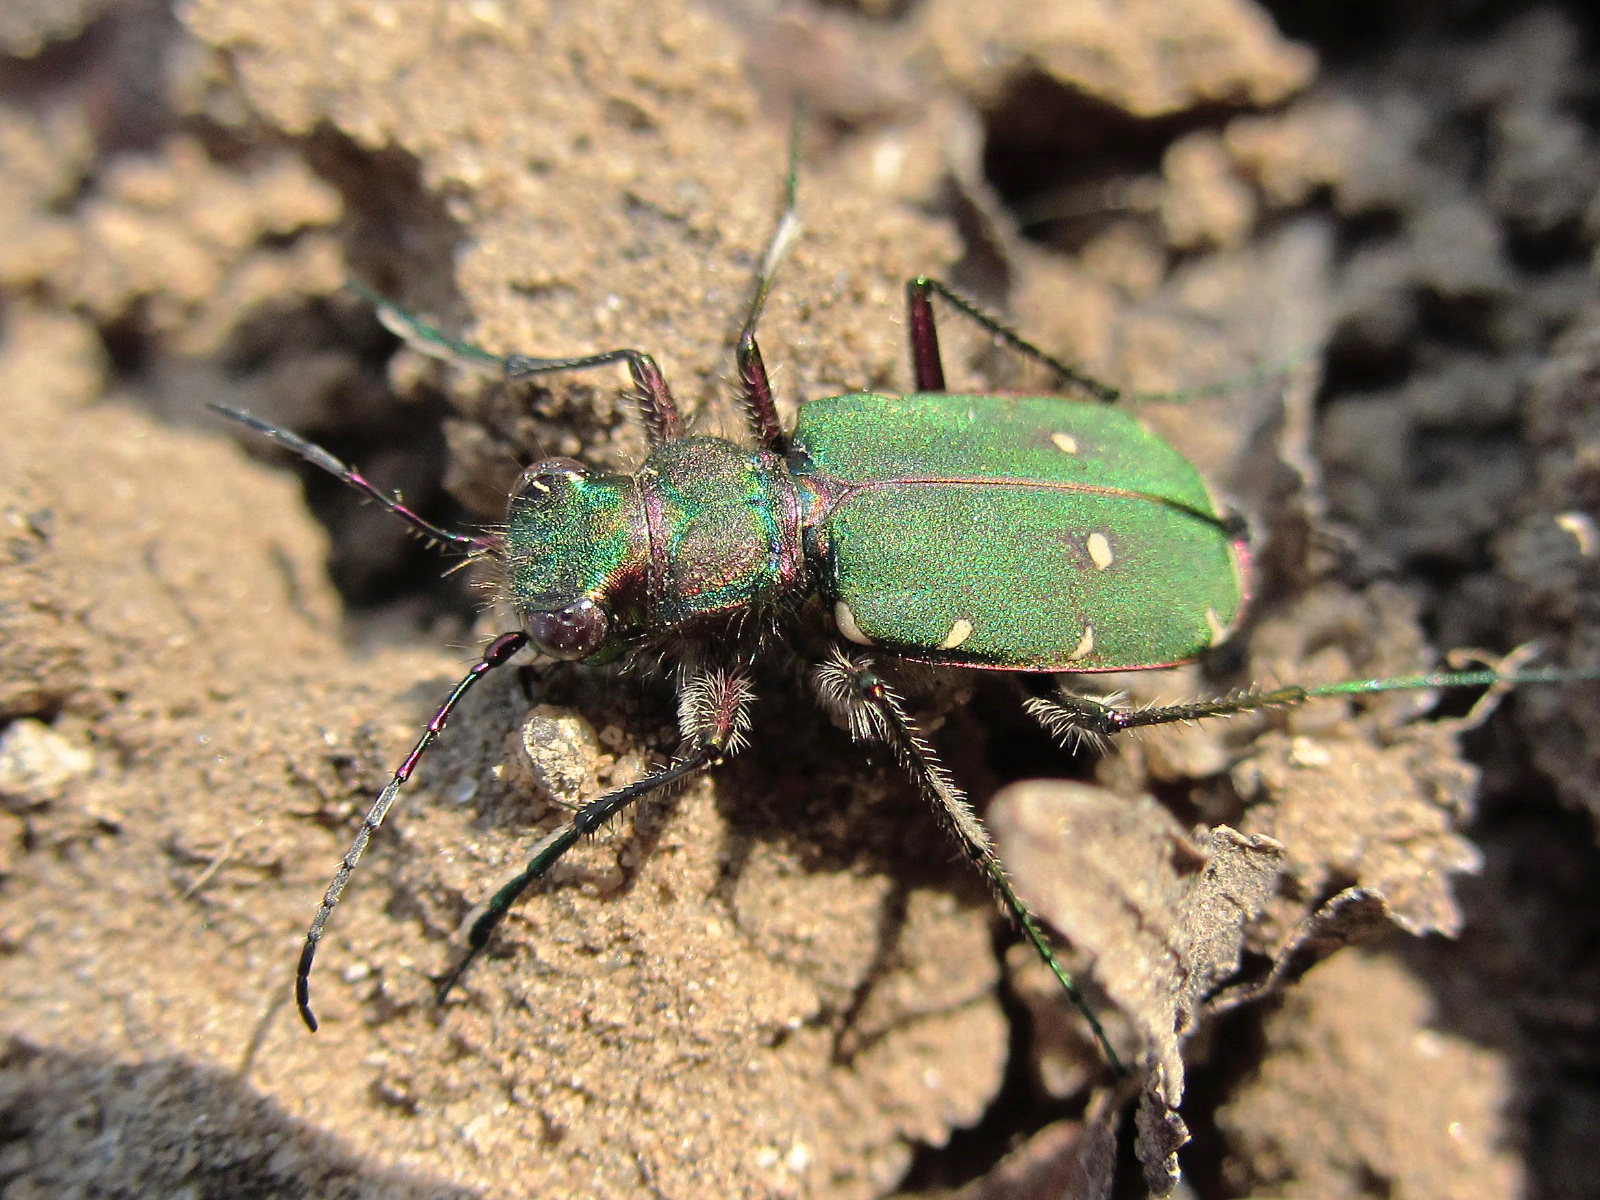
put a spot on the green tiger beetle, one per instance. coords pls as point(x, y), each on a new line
point(996, 532)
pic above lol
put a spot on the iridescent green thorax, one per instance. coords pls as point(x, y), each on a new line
point(705, 528)
point(723, 527)
point(1013, 532)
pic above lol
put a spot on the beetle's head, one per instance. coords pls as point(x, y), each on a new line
point(573, 556)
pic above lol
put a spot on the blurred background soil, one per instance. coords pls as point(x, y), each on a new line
point(782, 982)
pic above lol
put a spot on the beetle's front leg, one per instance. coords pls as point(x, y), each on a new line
point(848, 684)
point(755, 388)
point(714, 718)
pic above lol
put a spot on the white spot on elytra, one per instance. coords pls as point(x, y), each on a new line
point(959, 632)
point(846, 620)
point(1219, 631)
point(1065, 442)
point(1100, 551)
point(1085, 646)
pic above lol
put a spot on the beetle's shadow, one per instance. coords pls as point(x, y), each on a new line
point(834, 805)
point(830, 803)
point(802, 788)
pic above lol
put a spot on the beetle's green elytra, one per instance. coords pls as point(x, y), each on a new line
point(1018, 533)
point(1014, 532)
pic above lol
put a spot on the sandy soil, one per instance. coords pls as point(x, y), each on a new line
point(782, 982)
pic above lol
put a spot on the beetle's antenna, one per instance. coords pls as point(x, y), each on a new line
point(498, 653)
point(875, 712)
point(320, 458)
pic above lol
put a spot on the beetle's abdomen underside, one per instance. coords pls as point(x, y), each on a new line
point(1013, 532)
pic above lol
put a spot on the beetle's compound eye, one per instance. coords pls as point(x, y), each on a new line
point(573, 632)
point(539, 477)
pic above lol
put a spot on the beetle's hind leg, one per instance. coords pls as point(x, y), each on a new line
point(714, 717)
point(1077, 720)
point(848, 684)
point(662, 421)
point(925, 360)
point(1089, 722)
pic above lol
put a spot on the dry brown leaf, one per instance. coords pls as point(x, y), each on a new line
point(1162, 1132)
point(1354, 915)
point(1163, 914)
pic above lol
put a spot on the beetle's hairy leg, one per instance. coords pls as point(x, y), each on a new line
point(848, 685)
point(498, 653)
point(755, 394)
point(714, 708)
point(1089, 722)
point(662, 421)
point(925, 344)
point(714, 716)
point(1077, 720)
point(659, 411)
